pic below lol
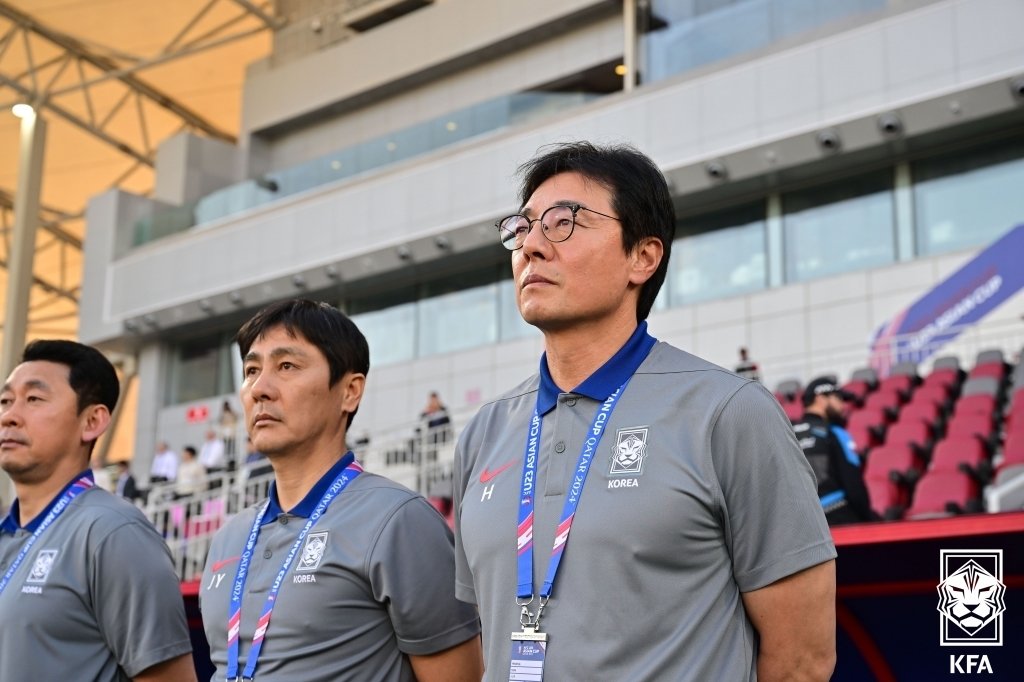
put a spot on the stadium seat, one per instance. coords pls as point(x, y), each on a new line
point(942, 493)
point(927, 412)
point(978, 403)
point(859, 389)
point(896, 462)
point(1013, 451)
point(979, 425)
point(866, 427)
point(980, 385)
point(888, 402)
point(888, 499)
point(789, 389)
point(915, 433)
point(897, 383)
point(993, 370)
point(964, 454)
point(1013, 420)
point(794, 409)
point(946, 372)
point(936, 394)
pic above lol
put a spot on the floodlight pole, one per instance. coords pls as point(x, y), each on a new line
point(22, 251)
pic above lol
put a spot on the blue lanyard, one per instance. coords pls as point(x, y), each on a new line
point(79, 486)
point(524, 540)
point(348, 474)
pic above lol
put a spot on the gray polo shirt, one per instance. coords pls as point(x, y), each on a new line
point(373, 581)
point(698, 492)
point(96, 598)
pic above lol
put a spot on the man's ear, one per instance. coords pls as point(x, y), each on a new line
point(647, 255)
point(94, 420)
point(352, 386)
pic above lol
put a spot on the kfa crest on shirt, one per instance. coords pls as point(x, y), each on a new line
point(629, 452)
point(312, 554)
point(41, 566)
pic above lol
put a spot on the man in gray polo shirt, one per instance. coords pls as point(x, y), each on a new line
point(87, 588)
point(698, 549)
point(357, 571)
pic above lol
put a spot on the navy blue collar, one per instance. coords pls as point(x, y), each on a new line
point(10, 524)
point(312, 498)
point(608, 377)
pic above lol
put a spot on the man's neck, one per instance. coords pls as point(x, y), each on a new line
point(295, 475)
point(574, 354)
point(33, 498)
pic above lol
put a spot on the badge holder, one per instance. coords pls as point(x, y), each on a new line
point(528, 646)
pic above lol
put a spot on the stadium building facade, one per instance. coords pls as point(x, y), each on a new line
point(831, 162)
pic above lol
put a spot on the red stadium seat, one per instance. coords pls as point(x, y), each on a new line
point(926, 412)
point(866, 427)
point(996, 370)
point(934, 394)
point(914, 433)
point(794, 409)
point(975, 404)
point(953, 452)
point(897, 383)
point(942, 493)
point(1013, 451)
point(890, 401)
point(979, 425)
point(858, 388)
point(947, 377)
point(897, 462)
point(888, 499)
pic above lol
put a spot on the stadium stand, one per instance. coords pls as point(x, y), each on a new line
point(940, 442)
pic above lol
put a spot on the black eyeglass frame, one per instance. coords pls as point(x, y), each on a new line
point(573, 208)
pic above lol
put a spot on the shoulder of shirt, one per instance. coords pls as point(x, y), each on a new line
point(527, 388)
point(107, 512)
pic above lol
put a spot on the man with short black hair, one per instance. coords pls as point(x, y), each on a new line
point(87, 587)
point(832, 454)
point(357, 570)
point(698, 548)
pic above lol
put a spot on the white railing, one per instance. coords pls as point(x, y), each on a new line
point(187, 523)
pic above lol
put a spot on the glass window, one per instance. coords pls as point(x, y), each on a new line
point(965, 200)
point(459, 320)
point(848, 225)
point(720, 254)
point(691, 33)
point(200, 368)
point(390, 333)
point(511, 323)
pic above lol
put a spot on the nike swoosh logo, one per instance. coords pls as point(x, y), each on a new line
point(217, 565)
point(486, 476)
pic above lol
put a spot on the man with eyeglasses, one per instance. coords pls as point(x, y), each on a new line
point(698, 548)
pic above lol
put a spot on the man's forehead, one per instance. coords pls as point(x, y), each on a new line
point(279, 340)
point(39, 374)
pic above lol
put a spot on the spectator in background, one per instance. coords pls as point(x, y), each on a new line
point(165, 464)
point(87, 587)
point(832, 453)
point(747, 368)
point(435, 424)
point(228, 422)
point(125, 484)
point(191, 474)
point(211, 453)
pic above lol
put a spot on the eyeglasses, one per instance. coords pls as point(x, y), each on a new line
point(557, 224)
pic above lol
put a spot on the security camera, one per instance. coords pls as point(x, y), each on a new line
point(829, 140)
point(890, 125)
point(1017, 87)
point(716, 170)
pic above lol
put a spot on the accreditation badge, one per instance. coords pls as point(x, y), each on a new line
point(528, 649)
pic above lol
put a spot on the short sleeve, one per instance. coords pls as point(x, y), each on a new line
point(464, 589)
point(412, 572)
point(773, 522)
point(137, 598)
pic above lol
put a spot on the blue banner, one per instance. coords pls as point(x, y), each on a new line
point(963, 298)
